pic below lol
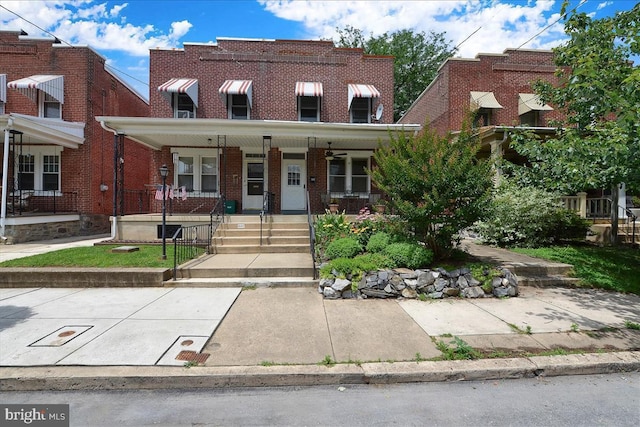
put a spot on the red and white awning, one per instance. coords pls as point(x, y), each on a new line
point(49, 84)
point(236, 87)
point(362, 91)
point(309, 89)
point(188, 86)
point(3, 88)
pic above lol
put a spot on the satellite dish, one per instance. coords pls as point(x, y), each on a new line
point(379, 112)
point(330, 155)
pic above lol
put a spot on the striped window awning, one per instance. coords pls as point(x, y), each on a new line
point(309, 89)
point(236, 87)
point(362, 91)
point(530, 102)
point(49, 84)
point(188, 86)
point(484, 100)
point(3, 88)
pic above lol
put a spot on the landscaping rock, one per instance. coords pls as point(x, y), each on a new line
point(439, 283)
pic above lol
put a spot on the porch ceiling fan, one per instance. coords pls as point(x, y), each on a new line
point(330, 155)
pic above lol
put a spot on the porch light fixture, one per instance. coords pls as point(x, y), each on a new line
point(164, 173)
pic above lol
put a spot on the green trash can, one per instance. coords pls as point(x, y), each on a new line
point(230, 206)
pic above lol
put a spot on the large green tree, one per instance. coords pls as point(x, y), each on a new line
point(437, 184)
point(598, 142)
point(417, 58)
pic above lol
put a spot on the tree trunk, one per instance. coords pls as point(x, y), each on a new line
point(614, 216)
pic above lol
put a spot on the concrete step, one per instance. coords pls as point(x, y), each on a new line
point(256, 272)
point(239, 232)
point(255, 241)
point(264, 249)
point(548, 281)
point(259, 282)
point(268, 219)
point(266, 226)
point(539, 270)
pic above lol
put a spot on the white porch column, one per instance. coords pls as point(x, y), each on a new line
point(5, 179)
point(496, 155)
point(582, 204)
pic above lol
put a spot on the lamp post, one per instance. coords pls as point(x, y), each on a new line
point(164, 172)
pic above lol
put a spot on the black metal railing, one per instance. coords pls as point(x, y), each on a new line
point(631, 218)
point(42, 202)
point(191, 241)
point(312, 237)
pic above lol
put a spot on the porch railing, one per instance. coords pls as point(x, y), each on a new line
point(146, 201)
point(593, 208)
point(42, 202)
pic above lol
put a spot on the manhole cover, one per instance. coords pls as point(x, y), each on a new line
point(186, 343)
point(66, 333)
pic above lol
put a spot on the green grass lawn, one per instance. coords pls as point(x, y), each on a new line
point(97, 256)
point(616, 269)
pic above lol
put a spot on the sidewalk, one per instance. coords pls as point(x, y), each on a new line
point(141, 338)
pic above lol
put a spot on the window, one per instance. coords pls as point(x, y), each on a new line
point(50, 107)
point(309, 108)
point(349, 175)
point(531, 118)
point(26, 172)
point(360, 110)
point(1, 107)
point(185, 172)
point(197, 171)
point(209, 174)
point(183, 106)
point(294, 173)
point(359, 177)
point(238, 107)
point(482, 117)
point(50, 173)
point(39, 170)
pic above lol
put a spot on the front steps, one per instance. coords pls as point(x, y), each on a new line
point(281, 257)
point(546, 274)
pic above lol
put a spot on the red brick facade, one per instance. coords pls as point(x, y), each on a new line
point(89, 91)
point(446, 102)
point(274, 67)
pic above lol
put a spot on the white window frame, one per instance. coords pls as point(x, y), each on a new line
point(181, 113)
point(38, 153)
point(348, 177)
point(369, 104)
point(197, 155)
point(43, 101)
point(300, 99)
point(231, 105)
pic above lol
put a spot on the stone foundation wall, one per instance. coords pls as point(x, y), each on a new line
point(87, 225)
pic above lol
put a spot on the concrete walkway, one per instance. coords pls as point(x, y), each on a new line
point(278, 336)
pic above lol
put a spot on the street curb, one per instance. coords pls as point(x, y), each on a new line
point(161, 377)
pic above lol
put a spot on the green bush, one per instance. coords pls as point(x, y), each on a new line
point(378, 242)
point(410, 255)
point(347, 247)
point(528, 217)
point(354, 267)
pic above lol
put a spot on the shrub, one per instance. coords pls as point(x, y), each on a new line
point(410, 255)
point(529, 217)
point(354, 267)
point(329, 227)
point(347, 247)
point(378, 242)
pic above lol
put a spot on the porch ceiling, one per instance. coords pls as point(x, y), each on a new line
point(37, 130)
point(159, 132)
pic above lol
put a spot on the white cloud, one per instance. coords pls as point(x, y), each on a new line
point(501, 24)
point(89, 23)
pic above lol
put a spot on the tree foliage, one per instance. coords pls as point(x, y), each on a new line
point(435, 183)
point(598, 142)
point(417, 58)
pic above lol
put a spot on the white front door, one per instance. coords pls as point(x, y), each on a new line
point(294, 178)
point(253, 181)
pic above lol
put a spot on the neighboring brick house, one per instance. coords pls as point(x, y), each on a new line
point(258, 120)
point(57, 161)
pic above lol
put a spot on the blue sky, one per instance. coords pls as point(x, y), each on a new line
point(124, 31)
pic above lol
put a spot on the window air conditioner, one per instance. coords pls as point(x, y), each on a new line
point(185, 114)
